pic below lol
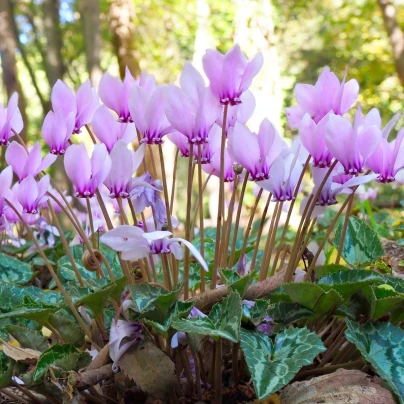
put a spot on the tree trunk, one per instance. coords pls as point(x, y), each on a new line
point(90, 16)
point(395, 34)
point(54, 42)
point(122, 14)
point(8, 48)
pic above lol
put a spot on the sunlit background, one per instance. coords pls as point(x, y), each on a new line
point(45, 40)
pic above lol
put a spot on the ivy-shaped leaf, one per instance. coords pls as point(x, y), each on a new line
point(382, 345)
point(235, 282)
point(27, 337)
point(66, 357)
point(274, 364)
point(361, 244)
point(12, 270)
point(223, 321)
point(382, 298)
point(324, 270)
point(146, 297)
point(163, 324)
point(346, 283)
point(6, 370)
point(97, 300)
point(313, 296)
point(286, 313)
point(68, 328)
point(257, 312)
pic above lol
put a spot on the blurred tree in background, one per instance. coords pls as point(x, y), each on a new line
point(43, 40)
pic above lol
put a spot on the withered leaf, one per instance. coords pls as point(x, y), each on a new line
point(342, 386)
point(150, 368)
point(20, 354)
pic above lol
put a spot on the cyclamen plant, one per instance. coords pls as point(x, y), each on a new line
point(174, 307)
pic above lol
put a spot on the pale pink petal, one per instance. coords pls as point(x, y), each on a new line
point(27, 192)
point(349, 96)
point(16, 157)
point(234, 64)
point(138, 99)
point(14, 117)
point(390, 125)
point(193, 251)
point(368, 140)
point(48, 160)
point(156, 235)
point(136, 253)
point(306, 98)
point(6, 178)
point(138, 157)
point(192, 82)
point(105, 127)
point(123, 238)
point(212, 65)
point(294, 115)
point(251, 70)
point(110, 92)
point(63, 98)
point(77, 165)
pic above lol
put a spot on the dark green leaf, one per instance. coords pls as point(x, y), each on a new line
point(6, 370)
point(287, 313)
point(68, 328)
point(223, 321)
point(273, 365)
point(27, 337)
point(324, 270)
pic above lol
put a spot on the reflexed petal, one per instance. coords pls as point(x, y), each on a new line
point(63, 98)
point(294, 116)
point(192, 82)
point(234, 64)
point(16, 157)
point(138, 99)
point(110, 92)
point(27, 192)
point(350, 95)
point(105, 126)
point(306, 98)
point(193, 251)
point(368, 140)
point(213, 65)
point(252, 69)
point(77, 165)
point(124, 238)
point(156, 235)
point(136, 253)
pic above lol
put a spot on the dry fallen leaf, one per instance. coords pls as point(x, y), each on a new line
point(20, 354)
point(150, 368)
point(342, 386)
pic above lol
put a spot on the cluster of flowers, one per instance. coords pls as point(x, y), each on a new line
point(193, 116)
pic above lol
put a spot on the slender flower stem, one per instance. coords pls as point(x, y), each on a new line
point(250, 221)
point(166, 271)
point(104, 211)
point(230, 211)
point(257, 241)
point(20, 139)
point(187, 223)
point(174, 179)
point(90, 218)
point(344, 228)
point(201, 224)
point(132, 212)
point(66, 245)
point(220, 208)
point(91, 133)
point(152, 160)
point(197, 206)
point(53, 274)
point(236, 223)
point(163, 176)
point(124, 219)
point(218, 371)
point(197, 376)
point(321, 245)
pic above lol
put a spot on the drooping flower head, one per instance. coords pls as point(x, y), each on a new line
point(135, 244)
point(115, 94)
point(10, 120)
point(32, 194)
point(255, 152)
point(351, 146)
point(230, 74)
point(82, 104)
point(57, 129)
point(109, 130)
point(87, 174)
point(192, 109)
point(30, 163)
point(147, 111)
point(125, 162)
point(327, 95)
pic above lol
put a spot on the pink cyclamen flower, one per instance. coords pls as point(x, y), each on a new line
point(181, 142)
point(192, 109)
point(135, 244)
point(10, 120)
point(6, 178)
point(180, 338)
point(388, 159)
point(115, 94)
point(230, 74)
point(254, 152)
point(327, 95)
point(125, 162)
point(214, 166)
point(87, 174)
point(82, 104)
point(312, 136)
point(32, 194)
point(123, 335)
point(283, 177)
point(30, 163)
point(147, 111)
point(57, 129)
point(351, 146)
point(109, 130)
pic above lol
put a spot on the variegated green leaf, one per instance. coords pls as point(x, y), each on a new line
point(65, 357)
point(223, 321)
point(286, 313)
point(273, 365)
point(361, 244)
point(12, 270)
point(382, 345)
point(27, 337)
point(346, 283)
point(257, 312)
